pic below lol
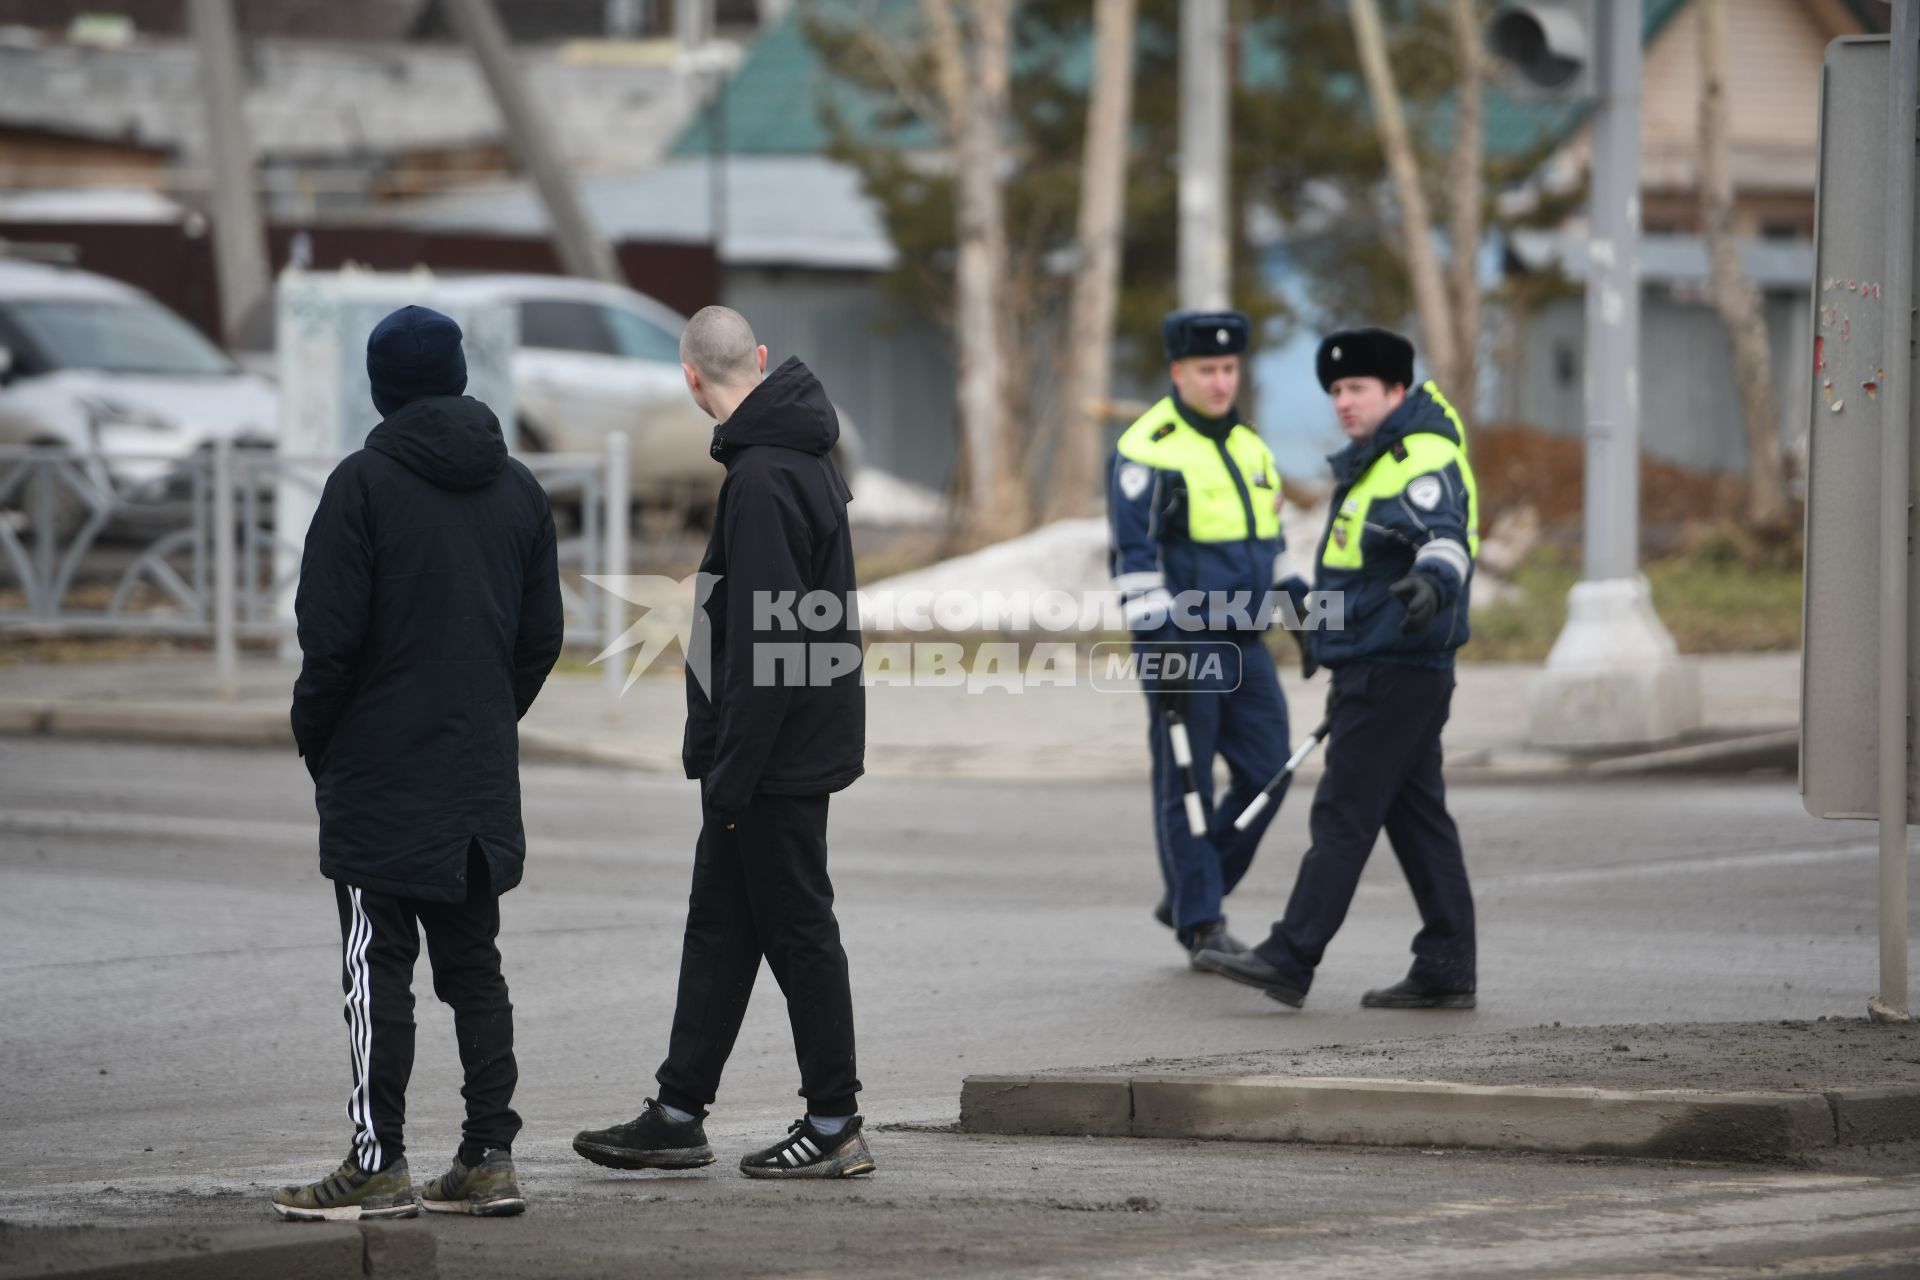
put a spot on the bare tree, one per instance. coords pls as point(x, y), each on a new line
point(1735, 297)
point(974, 65)
point(1437, 337)
point(1096, 281)
point(1466, 194)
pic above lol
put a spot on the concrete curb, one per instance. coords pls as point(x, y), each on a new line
point(1684, 1123)
point(212, 722)
point(287, 1251)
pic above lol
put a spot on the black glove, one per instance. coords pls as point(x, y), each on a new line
point(1308, 666)
point(1422, 599)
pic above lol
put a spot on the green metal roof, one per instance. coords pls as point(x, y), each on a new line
point(773, 101)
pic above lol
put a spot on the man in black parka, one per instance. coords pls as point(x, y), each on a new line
point(429, 616)
point(776, 722)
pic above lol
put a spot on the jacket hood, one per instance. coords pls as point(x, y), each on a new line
point(1417, 413)
point(453, 442)
point(789, 409)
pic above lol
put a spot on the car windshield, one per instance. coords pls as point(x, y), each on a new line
point(116, 337)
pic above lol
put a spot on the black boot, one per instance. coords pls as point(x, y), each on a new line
point(1409, 993)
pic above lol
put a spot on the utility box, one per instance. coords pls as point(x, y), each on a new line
point(326, 403)
point(1839, 677)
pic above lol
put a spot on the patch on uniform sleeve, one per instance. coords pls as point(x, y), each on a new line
point(1134, 479)
point(1425, 492)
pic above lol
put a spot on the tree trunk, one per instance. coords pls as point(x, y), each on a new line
point(1416, 224)
point(1733, 294)
point(974, 84)
point(1096, 281)
point(1466, 191)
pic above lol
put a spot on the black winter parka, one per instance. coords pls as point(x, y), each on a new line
point(429, 616)
point(780, 533)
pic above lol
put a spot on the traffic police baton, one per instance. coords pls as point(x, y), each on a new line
point(1183, 760)
point(1265, 798)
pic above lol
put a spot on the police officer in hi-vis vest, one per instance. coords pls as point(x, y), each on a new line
point(1400, 548)
point(1192, 495)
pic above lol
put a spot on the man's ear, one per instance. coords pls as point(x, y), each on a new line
point(762, 353)
point(692, 375)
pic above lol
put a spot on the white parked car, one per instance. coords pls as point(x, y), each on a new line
point(596, 358)
point(99, 367)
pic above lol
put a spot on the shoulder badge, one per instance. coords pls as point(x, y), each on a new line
point(1166, 429)
point(1399, 450)
point(1425, 492)
point(1133, 480)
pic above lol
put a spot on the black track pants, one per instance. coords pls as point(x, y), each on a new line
point(381, 937)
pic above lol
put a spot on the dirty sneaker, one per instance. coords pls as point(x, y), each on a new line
point(485, 1190)
point(652, 1140)
point(350, 1194)
point(807, 1153)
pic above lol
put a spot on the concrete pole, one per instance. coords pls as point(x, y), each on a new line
point(1896, 516)
point(1613, 306)
point(1206, 194)
point(582, 249)
point(1614, 678)
point(239, 239)
point(692, 23)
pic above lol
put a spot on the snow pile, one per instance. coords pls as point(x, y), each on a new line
point(1068, 555)
point(881, 498)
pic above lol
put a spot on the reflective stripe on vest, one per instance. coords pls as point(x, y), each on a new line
point(1216, 511)
point(1387, 478)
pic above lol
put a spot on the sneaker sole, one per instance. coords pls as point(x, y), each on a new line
point(346, 1213)
point(623, 1158)
point(502, 1208)
point(1433, 1002)
point(844, 1167)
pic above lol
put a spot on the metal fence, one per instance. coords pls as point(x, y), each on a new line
point(143, 544)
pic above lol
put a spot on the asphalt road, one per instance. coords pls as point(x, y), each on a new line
point(173, 1045)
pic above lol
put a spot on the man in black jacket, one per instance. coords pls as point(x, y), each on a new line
point(776, 721)
point(429, 615)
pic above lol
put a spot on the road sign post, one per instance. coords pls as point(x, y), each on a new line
point(1856, 746)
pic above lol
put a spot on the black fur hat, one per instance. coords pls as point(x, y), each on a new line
point(1365, 353)
point(1205, 333)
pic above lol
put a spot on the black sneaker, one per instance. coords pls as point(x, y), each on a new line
point(1164, 912)
point(652, 1140)
point(1249, 970)
point(1411, 994)
point(807, 1153)
point(1213, 937)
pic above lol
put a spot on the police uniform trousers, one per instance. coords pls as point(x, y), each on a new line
point(1383, 770)
point(1238, 713)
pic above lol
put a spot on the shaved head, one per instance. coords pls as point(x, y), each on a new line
point(718, 344)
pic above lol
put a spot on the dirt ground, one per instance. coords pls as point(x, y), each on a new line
point(1826, 1054)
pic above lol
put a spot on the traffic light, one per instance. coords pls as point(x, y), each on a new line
point(1548, 43)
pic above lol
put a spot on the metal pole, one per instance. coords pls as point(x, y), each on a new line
point(226, 654)
point(582, 249)
point(1206, 257)
point(239, 242)
point(1613, 304)
point(614, 562)
point(1896, 517)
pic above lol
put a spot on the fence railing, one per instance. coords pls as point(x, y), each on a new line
point(195, 551)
